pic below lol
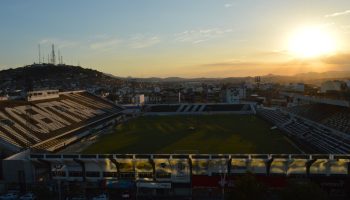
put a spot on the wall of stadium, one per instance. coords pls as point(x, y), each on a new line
point(174, 168)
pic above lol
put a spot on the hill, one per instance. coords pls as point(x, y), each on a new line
point(69, 77)
point(48, 76)
point(310, 77)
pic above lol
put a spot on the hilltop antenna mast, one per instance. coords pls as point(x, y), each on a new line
point(59, 57)
point(53, 58)
point(258, 81)
point(39, 54)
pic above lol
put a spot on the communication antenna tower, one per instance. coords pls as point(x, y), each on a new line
point(257, 81)
point(53, 56)
point(39, 54)
point(59, 57)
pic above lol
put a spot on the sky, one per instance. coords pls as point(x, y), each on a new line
point(186, 38)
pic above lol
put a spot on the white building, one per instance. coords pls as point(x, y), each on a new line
point(347, 83)
point(4, 98)
point(139, 99)
point(41, 95)
point(332, 86)
point(297, 87)
point(234, 95)
point(157, 89)
point(199, 89)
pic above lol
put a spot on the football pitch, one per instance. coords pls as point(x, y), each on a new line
point(194, 134)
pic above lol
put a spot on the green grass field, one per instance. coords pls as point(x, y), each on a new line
point(211, 134)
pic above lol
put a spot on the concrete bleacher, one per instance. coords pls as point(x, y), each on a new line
point(315, 112)
point(47, 123)
point(322, 139)
point(274, 116)
point(335, 117)
point(339, 120)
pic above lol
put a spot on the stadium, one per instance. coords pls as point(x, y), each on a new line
point(178, 150)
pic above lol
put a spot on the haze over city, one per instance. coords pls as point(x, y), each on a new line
point(182, 38)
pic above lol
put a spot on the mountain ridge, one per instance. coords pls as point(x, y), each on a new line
point(49, 71)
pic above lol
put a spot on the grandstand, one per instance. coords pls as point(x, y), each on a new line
point(52, 123)
point(321, 126)
point(200, 108)
point(336, 117)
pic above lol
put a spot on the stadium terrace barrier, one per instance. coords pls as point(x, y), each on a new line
point(174, 168)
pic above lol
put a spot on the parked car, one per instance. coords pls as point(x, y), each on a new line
point(100, 197)
point(126, 195)
point(28, 196)
point(80, 197)
point(9, 196)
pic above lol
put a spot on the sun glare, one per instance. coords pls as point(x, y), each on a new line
point(312, 42)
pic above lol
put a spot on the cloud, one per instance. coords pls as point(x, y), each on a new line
point(338, 59)
point(237, 67)
point(249, 68)
point(227, 5)
point(345, 28)
point(142, 41)
point(272, 53)
point(105, 44)
point(346, 12)
point(202, 35)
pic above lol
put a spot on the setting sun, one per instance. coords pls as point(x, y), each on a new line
point(311, 42)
